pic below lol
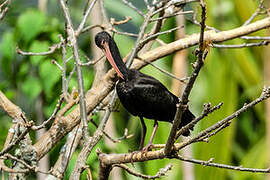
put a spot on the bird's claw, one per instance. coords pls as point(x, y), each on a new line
point(147, 148)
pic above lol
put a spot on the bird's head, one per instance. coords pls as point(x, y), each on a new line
point(106, 43)
point(102, 39)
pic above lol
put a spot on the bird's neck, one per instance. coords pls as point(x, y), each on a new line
point(118, 60)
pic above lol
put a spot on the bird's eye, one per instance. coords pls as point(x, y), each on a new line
point(102, 42)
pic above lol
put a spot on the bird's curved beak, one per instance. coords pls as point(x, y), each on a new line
point(107, 51)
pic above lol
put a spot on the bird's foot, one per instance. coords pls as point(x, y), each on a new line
point(131, 158)
point(147, 148)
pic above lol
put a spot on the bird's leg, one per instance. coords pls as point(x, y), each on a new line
point(143, 133)
point(142, 139)
point(150, 144)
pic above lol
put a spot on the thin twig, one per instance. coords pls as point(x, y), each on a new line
point(51, 50)
point(160, 173)
point(90, 62)
point(88, 28)
point(87, 12)
point(118, 140)
point(32, 168)
point(160, 33)
point(4, 12)
point(57, 64)
point(262, 43)
point(183, 80)
point(161, 7)
point(16, 141)
point(140, 36)
point(70, 76)
point(124, 33)
point(256, 37)
point(56, 109)
point(256, 13)
point(207, 110)
point(172, 15)
point(129, 4)
point(223, 166)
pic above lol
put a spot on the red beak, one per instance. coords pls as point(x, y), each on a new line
point(111, 60)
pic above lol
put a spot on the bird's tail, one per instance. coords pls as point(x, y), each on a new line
point(187, 117)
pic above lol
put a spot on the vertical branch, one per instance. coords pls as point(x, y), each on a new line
point(180, 70)
point(184, 100)
point(64, 70)
point(267, 103)
point(97, 18)
point(42, 5)
point(80, 28)
point(140, 36)
point(74, 45)
point(66, 152)
point(5, 10)
point(43, 163)
point(89, 145)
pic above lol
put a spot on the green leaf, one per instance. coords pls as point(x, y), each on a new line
point(31, 87)
point(24, 69)
point(49, 74)
point(30, 24)
point(38, 46)
point(7, 45)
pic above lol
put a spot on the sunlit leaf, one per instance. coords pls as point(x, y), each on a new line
point(7, 45)
point(38, 46)
point(49, 74)
point(30, 24)
point(31, 87)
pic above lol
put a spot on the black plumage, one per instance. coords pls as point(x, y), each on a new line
point(140, 94)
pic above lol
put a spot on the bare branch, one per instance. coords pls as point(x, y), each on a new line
point(87, 12)
point(184, 99)
point(256, 13)
point(73, 41)
point(89, 145)
point(57, 108)
point(160, 33)
point(262, 43)
point(160, 173)
point(207, 110)
point(183, 80)
point(223, 166)
point(129, 4)
point(4, 12)
point(172, 15)
point(51, 50)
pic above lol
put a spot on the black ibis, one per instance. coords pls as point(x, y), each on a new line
point(140, 94)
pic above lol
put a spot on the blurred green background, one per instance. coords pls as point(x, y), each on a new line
point(231, 76)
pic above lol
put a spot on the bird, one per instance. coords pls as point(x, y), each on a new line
point(140, 94)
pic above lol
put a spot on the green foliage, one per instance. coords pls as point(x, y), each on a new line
point(7, 45)
point(38, 46)
point(7, 48)
point(49, 75)
point(30, 24)
point(31, 87)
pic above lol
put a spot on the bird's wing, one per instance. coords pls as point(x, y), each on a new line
point(154, 99)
